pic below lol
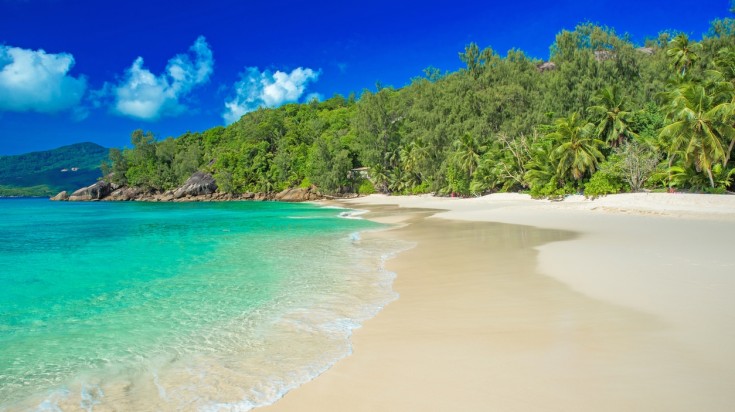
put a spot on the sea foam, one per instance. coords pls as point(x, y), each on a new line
point(157, 307)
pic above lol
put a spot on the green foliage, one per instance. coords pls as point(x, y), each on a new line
point(607, 117)
point(611, 116)
point(366, 187)
point(577, 151)
point(602, 184)
point(305, 183)
point(420, 189)
point(701, 126)
point(551, 191)
point(683, 53)
point(49, 172)
point(458, 181)
point(27, 191)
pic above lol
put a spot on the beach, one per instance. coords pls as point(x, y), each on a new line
point(508, 303)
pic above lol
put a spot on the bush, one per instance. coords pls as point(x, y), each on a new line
point(551, 191)
point(420, 189)
point(305, 183)
point(715, 190)
point(366, 188)
point(602, 184)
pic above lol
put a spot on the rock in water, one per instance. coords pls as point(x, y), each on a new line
point(199, 183)
point(125, 193)
point(96, 191)
point(61, 196)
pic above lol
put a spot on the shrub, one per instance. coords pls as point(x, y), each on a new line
point(602, 184)
point(421, 189)
point(305, 183)
point(551, 191)
point(366, 188)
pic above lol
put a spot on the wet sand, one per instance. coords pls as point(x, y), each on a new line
point(559, 307)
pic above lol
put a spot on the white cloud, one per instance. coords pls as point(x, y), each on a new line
point(146, 96)
point(265, 89)
point(33, 80)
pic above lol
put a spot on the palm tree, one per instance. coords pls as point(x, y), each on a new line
point(540, 169)
point(701, 126)
point(379, 178)
point(683, 52)
point(397, 181)
point(577, 151)
point(467, 153)
point(412, 157)
point(611, 116)
point(725, 63)
point(724, 84)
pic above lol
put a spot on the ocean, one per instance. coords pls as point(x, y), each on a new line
point(179, 306)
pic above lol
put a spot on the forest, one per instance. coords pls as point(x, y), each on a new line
point(603, 115)
point(47, 172)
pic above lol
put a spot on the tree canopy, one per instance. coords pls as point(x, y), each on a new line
point(606, 116)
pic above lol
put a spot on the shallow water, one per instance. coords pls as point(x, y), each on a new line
point(197, 306)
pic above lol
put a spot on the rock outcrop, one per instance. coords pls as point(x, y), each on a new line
point(603, 55)
point(125, 193)
point(200, 187)
point(546, 66)
point(97, 191)
point(198, 184)
point(298, 194)
point(61, 196)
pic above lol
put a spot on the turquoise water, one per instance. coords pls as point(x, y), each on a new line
point(197, 306)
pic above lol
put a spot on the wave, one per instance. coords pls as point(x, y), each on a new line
point(322, 287)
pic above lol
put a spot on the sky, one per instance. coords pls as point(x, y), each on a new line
point(77, 70)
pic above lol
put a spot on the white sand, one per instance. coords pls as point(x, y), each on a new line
point(634, 312)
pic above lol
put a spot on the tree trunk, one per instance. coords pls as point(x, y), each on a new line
point(668, 170)
point(729, 152)
point(711, 180)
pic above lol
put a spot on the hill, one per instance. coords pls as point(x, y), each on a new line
point(603, 115)
point(49, 172)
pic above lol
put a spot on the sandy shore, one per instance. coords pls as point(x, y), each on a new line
point(512, 304)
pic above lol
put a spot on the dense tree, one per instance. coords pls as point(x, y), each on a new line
point(699, 128)
point(602, 116)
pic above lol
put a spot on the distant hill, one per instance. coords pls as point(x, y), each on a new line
point(49, 172)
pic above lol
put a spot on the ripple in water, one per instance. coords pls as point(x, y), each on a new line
point(218, 306)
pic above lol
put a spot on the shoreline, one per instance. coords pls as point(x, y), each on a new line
point(585, 304)
point(295, 329)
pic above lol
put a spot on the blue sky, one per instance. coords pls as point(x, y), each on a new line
point(73, 71)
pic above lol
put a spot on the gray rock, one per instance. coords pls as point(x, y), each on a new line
point(124, 193)
point(297, 194)
point(96, 191)
point(198, 184)
point(602, 55)
point(167, 196)
point(61, 196)
point(546, 66)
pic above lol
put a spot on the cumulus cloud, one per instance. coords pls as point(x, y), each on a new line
point(33, 80)
point(144, 95)
point(265, 89)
